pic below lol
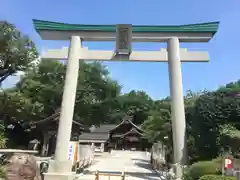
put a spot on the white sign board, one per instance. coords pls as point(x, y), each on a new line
point(72, 150)
point(228, 163)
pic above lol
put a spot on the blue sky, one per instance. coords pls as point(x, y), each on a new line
point(224, 49)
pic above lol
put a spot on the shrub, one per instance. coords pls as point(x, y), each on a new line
point(217, 177)
point(3, 140)
point(199, 169)
point(2, 173)
point(218, 160)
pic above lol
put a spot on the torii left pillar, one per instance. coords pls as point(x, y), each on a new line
point(177, 106)
point(61, 167)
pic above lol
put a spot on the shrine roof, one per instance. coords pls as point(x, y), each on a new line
point(127, 119)
point(58, 26)
point(134, 130)
point(104, 128)
point(93, 136)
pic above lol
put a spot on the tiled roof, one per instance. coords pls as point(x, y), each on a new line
point(128, 120)
point(133, 130)
point(93, 136)
point(105, 128)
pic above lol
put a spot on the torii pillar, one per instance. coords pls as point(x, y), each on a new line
point(61, 168)
point(177, 106)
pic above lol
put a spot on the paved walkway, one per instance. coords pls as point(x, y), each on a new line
point(135, 164)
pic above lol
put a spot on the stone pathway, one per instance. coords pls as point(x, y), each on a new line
point(136, 165)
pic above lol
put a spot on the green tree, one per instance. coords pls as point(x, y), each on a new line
point(135, 103)
point(158, 127)
point(211, 111)
point(39, 93)
point(17, 51)
point(3, 139)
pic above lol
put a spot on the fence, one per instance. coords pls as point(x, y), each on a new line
point(108, 175)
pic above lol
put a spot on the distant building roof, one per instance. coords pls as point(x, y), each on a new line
point(105, 128)
point(128, 119)
point(87, 137)
point(97, 134)
point(134, 131)
point(101, 133)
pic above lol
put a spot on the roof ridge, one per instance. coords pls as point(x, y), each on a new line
point(36, 21)
point(210, 27)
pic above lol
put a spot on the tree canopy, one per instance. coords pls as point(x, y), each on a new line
point(39, 92)
point(17, 51)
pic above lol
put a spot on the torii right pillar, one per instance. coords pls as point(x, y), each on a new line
point(177, 106)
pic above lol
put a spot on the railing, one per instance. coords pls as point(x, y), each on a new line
point(109, 175)
point(3, 151)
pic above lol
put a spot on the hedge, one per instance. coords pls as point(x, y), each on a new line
point(2, 172)
point(217, 177)
point(199, 169)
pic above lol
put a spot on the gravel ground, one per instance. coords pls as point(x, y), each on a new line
point(134, 163)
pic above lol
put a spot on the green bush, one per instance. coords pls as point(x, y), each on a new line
point(216, 177)
point(199, 169)
point(2, 173)
point(218, 160)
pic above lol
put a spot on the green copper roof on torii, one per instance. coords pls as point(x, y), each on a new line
point(210, 27)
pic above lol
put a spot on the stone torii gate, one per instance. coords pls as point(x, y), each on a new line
point(60, 168)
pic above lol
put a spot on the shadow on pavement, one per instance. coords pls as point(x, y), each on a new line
point(141, 160)
point(144, 165)
point(87, 172)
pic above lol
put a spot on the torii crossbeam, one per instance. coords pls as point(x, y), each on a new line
point(145, 56)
